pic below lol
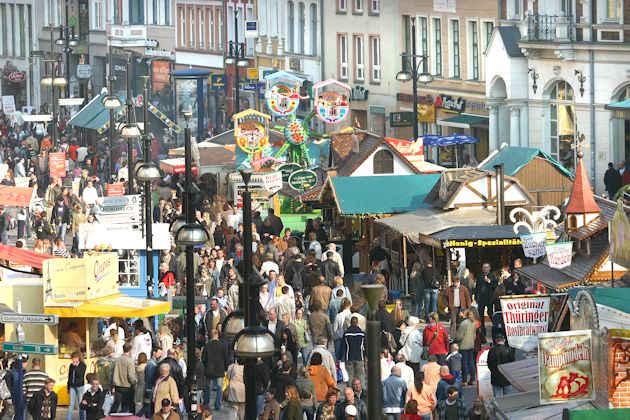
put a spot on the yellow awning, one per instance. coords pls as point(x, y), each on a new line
point(116, 305)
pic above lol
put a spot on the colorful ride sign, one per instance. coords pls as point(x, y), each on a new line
point(283, 93)
point(251, 131)
point(332, 103)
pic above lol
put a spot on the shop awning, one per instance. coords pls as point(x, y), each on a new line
point(22, 256)
point(175, 166)
point(465, 121)
point(15, 196)
point(396, 193)
point(474, 233)
point(116, 305)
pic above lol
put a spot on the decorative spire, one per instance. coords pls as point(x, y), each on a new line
point(581, 200)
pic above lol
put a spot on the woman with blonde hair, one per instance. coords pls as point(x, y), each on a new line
point(293, 408)
point(400, 313)
point(339, 285)
point(165, 337)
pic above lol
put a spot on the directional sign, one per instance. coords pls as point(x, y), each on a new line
point(31, 348)
point(124, 204)
point(119, 218)
point(15, 318)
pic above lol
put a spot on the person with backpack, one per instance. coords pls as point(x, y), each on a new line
point(435, 338)
point(105, 375)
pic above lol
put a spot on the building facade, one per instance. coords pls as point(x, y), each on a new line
point(564, 63)
point(359, 39)
point(453, 35)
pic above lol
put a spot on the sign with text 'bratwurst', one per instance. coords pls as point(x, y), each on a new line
point(524, 318)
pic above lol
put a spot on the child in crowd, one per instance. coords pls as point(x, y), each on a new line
point(454, 362)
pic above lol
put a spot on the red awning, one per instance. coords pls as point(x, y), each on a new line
point(15, 196)
point(22, 256)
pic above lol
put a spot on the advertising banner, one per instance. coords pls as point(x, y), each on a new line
point(534, 244)
point(116, 189)
point(619, 237)
point(57, 164)
point(560, 254)
point(272, 181)
point(565, 360)
point(483, 375)
point(524, 318)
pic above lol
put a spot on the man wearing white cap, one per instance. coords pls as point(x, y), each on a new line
point(336, 258)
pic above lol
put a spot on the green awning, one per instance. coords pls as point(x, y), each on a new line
point(382, 194)
point(514, 158)
point(610, 414)
point(621, 110)
point(92, 115)
point(465, 121)
point(617, 298)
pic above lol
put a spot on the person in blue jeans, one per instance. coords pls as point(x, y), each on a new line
point(498, 355)
point(76, 381)
point(215, 361)
point(415, 278)
point(431, 286)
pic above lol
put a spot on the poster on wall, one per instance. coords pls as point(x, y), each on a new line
point(565, 360)
point(524, 318)
point(57, 164)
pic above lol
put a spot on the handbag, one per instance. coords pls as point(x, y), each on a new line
point(425, 349)
point(226, 385)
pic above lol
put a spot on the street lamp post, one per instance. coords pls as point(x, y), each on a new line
point(189, 235)
point(54, 80)
point(414, 75)
point(130, 130)
point(68, 40)
point(147, 173)
point(111, 102)
point(373, 293)
point(236, 55)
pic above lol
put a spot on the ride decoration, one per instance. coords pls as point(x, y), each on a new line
point(332, 103)
point(251, 131)
point(283, 93)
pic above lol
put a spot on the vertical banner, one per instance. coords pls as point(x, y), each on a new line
point(57, 164)
point(560, 254)
point(484, 385)
point(534, 244)
point(524, 318)
point(619, 237)
point(115, 189)
point(565, 360)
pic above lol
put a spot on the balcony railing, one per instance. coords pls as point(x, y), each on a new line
point(550, 28)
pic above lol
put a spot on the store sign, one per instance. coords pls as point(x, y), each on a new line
point(57, 164)
point(482, 243)
point(534, 244)
point(450, 103)
point(159, 53)
point(412, 150)
point(524, 318)
point(302, 180)
point(272, 181)
point(17, 77)
point(248, 87)
point(115, 189)
point(8, 104)
point(565, 360)
point(80, 279)
point(124, 204)
point(251, 29)
point(84, 71)
point(560, 254)
point(359, 93)
point(618, 234)
point(287, 169)
point(447, 6)
point(160, 77)
point(252, 73)
point(218, 81)
point(401, 119)
point(122, 236)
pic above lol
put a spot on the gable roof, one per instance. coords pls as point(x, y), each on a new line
point(510, 35)
point(378, 194)
point(581, 199)
point(515, 158)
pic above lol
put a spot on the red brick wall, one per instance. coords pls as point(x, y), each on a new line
point(620, 375)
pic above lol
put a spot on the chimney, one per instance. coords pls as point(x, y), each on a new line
point(500, 204)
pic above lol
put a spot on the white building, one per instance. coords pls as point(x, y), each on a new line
point(551, 74)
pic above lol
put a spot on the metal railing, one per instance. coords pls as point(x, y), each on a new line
point(545, 27)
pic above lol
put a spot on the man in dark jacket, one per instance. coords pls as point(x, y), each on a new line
point(215, 361)
point(498, 355)
point(92, 401)
point(612, 180)
point(176, 370)
point(284, 380)
point(293, 274)
point(43, 403)
point(276, 222)
point(353, 350)
point(330, 269)
point(484, 294)
point(213, 317)
point(431, 286)
point(386, 318)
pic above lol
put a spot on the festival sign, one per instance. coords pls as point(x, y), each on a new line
point(566, 367)
point(303, 180)
point(332, 103)
point(283, 93)
point(287, 169)
point(619, 237)
point(559, 255)
point(272, 181)
point(57, 164)
point(251, 131)
point(534, 244)
point(524, 318)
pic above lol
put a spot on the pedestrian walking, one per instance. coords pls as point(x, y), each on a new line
point(498, 355)
point(353, 350)
point(484, 294)
point(123, 381)
point(435, 337)
point(394, 394)
point(215, 361)
point(93, 400)
point(76, 381)
point(43, 403)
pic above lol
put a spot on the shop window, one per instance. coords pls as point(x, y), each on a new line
point(71, 336)
point(128, 268)
point(383, 162)
point(562, 124)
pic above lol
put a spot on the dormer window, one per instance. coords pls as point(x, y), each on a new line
point(572, 222)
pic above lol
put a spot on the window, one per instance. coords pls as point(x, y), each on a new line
point(220, 33)
point(136, 12)
point(613, 9)
point(128, 268)
point(455, 71)
point(489, 27)
point(424, 36)
point(437, 46)
point(302, 16)
point(191, 29)
point(154, 12)
point(96, 11)
point(182, 27)
point(473, 37)
point(211, 29)
point(167, 12)
point(313, 12)
point(201, 27)
point(375, 7)
point(406, 24)
point(343, 56)
point(290, 26)
point(375, 47)
point(359, 58)
point(383, 162)
point(357, 6)
point(342, 5)
point(562, 124)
